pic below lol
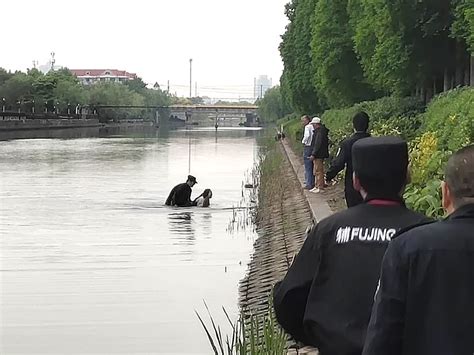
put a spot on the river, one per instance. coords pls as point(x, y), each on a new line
point(92, 262)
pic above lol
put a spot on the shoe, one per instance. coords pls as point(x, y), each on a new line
point(315, 190)
point(308, 187)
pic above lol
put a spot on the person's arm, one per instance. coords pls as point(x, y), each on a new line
point(291, 294)
point(307, 136)
point(385, 331)
point(337, 164)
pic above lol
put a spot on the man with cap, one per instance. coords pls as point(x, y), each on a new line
point(343, 158)
point(425, 302)
point(307, 150)
point(320, 151)
point(326, 297)
point(180, 195)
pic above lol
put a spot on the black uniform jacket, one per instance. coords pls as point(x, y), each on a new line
point(326, 297)
point(344, 159)
point(180, 196)
point(320, 143)
point(425, 304)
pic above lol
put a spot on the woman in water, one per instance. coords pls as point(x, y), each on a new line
point(203, 199)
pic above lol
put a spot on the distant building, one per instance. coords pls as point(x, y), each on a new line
point(45, 68)
point(93, 76)
point(261, 85)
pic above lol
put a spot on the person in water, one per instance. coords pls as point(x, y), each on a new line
point(203, 199)
point(180, 195)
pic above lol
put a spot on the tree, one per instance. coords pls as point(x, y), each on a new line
point(296, 54)
point(338, 75)
point(272, 107)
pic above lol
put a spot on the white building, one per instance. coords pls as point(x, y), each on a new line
point(261, 85)
point(92, 76)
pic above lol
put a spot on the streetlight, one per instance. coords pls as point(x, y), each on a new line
point(19, 105)
point(3, 104)
point(33, 107)
point(68, 109)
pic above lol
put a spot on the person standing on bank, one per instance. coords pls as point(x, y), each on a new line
point(343, 158)
point(180, 195)
point(425, 302)
point(326, 297)
point(320, 151)
point(307, 150)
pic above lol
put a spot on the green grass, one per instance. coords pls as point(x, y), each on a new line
point(251, 335)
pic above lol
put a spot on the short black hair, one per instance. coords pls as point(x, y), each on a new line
point(390, 186)
point(459, 175)
point(360, 121)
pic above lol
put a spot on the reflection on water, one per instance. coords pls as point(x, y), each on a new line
point(91, 261)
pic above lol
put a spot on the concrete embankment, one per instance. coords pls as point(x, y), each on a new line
point(286, 211)
point(21, 123)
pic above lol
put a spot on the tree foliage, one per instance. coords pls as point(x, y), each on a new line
point(272, 107)
point(338, 52)
point(61, 89)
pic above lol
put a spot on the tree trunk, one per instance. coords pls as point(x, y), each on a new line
point(459, 76)
point(472, 69)
point(446, 80)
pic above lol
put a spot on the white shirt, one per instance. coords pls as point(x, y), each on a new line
point(308, 134)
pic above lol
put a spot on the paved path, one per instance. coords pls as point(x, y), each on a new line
point(317, 203)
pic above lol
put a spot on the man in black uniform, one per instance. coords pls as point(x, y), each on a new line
point(180, 195)
point(343, 159)
point(326, 297)
point(425, 303)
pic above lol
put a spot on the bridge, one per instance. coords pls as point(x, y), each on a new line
point(203, 115)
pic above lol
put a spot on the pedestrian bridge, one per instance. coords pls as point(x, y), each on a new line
point(202, 115)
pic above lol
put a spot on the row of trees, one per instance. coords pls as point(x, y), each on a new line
point(60, 90)
point(339, 52)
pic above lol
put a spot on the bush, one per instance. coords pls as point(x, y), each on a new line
point(451, 116)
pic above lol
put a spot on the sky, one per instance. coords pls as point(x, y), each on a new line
point(230, 42)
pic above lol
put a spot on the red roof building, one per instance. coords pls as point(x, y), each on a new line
point(92, 76)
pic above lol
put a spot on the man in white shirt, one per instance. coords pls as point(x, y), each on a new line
point(307, 150)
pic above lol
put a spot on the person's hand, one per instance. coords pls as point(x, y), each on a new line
point(311, 158)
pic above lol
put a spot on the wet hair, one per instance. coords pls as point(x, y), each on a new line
point(206, 193)
point(459, 175)
point(360, 121)
point(390, 186)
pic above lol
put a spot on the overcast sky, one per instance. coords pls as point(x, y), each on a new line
point(230, 41)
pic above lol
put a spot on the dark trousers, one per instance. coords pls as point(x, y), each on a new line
point(353, 198)
point(308, 167)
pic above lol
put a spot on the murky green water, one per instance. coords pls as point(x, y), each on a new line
point(91, 261)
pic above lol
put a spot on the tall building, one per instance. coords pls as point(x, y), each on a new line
point(261, 85)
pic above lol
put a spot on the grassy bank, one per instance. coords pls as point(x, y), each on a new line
point(433, 133)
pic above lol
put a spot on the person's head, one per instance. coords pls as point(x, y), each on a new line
point(191, 180)
point(380, 166)
point(207, 193)
point(360, 122)
point(458, 185)
point(316, 122)
point(305, 120)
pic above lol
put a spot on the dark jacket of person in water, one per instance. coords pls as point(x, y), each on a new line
point(180, 195)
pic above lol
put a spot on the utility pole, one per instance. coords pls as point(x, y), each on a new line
point(196, 89)
point(168, 87)
point(261, 91)
point(190, 78)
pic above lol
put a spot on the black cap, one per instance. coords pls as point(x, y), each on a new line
point(192, 179)
point(380, 157)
